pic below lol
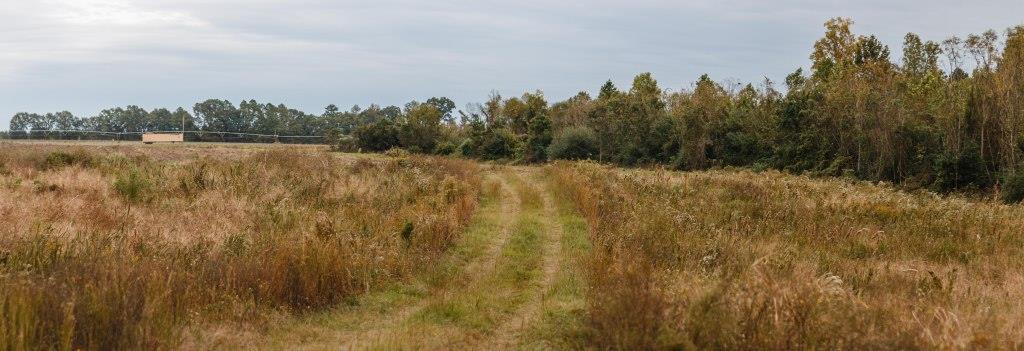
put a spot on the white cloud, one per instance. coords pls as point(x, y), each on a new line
point(115, 13)
point(85, 55)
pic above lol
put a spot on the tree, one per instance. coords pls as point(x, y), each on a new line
point(608, 91)
point(870, 51)
point(573, 143)
point(698, 113)
point(445, 106)
point(161, 119)
point(498, 143)
point(538, 139)
point(180, 114)
point(134, 119)
point(835, 50)
point(646, 111)
point(218, 116)
point(420, 130)
point(378, 136)
point(20, 124)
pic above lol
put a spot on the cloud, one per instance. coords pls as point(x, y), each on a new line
point(86, 55)
point(115, 13)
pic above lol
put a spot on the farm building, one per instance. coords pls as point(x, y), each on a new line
point(150, 138)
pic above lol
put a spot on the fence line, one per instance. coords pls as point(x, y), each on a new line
point(200, 132)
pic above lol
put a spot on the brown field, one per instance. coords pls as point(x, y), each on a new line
point(742, 260)
point(107, 245)
point(113, 247)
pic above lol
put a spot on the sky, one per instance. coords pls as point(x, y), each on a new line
point(87, 55)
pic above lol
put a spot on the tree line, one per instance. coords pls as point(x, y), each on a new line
point(219, 120)
point(948, 115)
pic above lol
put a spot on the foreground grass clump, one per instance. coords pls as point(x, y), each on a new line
point(742, 260)
point(114, 248)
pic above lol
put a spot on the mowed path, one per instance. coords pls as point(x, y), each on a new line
point(485, 296)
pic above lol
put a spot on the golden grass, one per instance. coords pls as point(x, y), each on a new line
point(113, 247)
point(123, 247)
point(742, 260)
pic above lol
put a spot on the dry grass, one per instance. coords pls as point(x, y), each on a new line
point(742, 260)
point(119, 247)
point(113, 247)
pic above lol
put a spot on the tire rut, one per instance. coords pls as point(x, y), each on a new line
point(509, 333)
point(476, 270)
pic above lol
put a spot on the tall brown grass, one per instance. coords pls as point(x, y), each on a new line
point(742, 260)
point(115, 248)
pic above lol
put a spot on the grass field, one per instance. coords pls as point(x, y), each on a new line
point(225, 246)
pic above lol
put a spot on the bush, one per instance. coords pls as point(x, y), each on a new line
point(499, 143)
point(132, 186)
point(378, 136)
point(345, 145)
point(575, 143)
point(340, 141)
point(538, 140)
point(58, 159)
point(962, 170)
point(446, 148)
point(1013, 188)
point(467, 148)
point(397, 152)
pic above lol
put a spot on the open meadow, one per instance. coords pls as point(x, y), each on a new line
point(228, 246)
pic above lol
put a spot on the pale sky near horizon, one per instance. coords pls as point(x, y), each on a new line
point(87, 55)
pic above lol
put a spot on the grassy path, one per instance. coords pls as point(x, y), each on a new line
point(467, 316)
point(557, 322)
point(510, 283)
point(474, 259)
point(511, 333)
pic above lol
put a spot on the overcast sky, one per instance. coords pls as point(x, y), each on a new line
point(87, 55)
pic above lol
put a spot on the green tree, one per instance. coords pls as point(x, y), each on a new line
point(378, 136)
point(573, 143)
point(539, 139)
point(218, 116)
point(421, 128)
point(445, 106)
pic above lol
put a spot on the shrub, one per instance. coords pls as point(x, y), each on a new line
point(378, 136)
point(446, 148)
point(965, 169)
point(467, 148)
point(420, 129)
point(397, 152)
point(538, 140)
point(499, 143)
point(340, 142)
point(1013, 188)
point(132, 186)
point(575, 143)
point(58, 159)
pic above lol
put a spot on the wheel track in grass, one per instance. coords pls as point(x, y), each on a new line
point(495, 286)
point(380, 317)
point(510, 333)
point(473, 271)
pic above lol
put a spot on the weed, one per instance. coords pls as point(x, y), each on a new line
point(743, 260)
point(207, 241)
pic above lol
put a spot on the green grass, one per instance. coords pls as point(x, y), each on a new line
point(479, 307)
point(562, 324)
